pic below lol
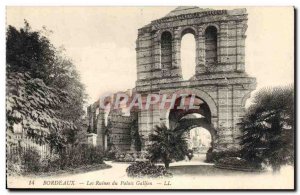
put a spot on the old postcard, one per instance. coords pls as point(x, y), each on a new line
point(147, 98)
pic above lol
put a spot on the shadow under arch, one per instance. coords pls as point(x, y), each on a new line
point(208, 111)
point(188, 30)
point(198, 93)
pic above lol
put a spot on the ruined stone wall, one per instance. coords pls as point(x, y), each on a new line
point(230, 25)
point(96, 122)
point(112, 127)
point(220, 79)
point(119, 130)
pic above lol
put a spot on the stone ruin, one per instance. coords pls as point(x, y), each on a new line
point(219, 82)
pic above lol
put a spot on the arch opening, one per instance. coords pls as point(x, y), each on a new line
point(192, 122)
point(199, 142)
point(211, 45)
point(183, 117)
point(166, 50)
point(188, 55)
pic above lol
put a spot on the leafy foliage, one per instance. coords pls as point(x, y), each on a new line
point(268, 128)
point(125, 157)
point(82, 155)
point(29, 51)
point(167, 145)
point(216, 155)
point(77, 156)
point(31, 161)
point(74, 157)
point(32, 103)
point(237, 163)
point(44, 92)
point(146, 169)
point(112, 152)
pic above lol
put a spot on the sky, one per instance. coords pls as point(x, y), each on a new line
point(101, 42)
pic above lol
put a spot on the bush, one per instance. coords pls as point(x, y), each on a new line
point(31, 161)
point(13, 163)
point(81, 155)
point(237, 164)
point(126, 157)
point(111, 153)
point(14, 169)
point(215, 156)
point(146, 169)
point(51, 164)
point(96, 155)
point(232, 161)
point(69, 158)
point(130, 156)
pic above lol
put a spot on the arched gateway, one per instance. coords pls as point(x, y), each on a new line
point(219, 80)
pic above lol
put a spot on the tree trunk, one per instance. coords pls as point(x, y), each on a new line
point(167, 165)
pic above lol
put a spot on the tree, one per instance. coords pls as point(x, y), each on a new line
point(167, 145)
point(33, 104)
point(136, 139)
point(67, 79)
point(44, 91)
point(268, 128)
point(29, 51)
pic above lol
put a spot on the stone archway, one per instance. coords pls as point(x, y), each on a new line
point(200, 123)
point(178, 122)
point(201, 138)
point(186, 126)
point(223, 85)
point(220, 79)
point(198, 93)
